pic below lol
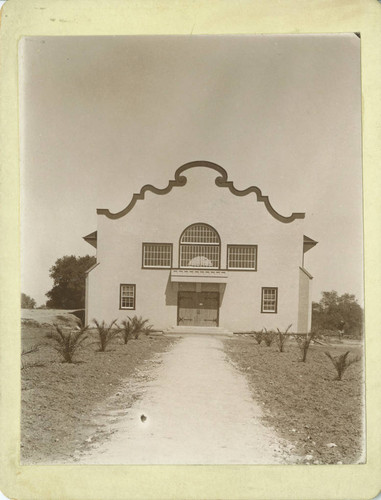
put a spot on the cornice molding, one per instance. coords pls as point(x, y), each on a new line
point(221, 181)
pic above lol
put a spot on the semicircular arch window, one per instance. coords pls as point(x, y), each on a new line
point(200, 247)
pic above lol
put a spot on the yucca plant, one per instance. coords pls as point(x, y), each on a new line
point(341, 362)
point(126, 330)
point(304, 341)
point(67, 342)
point(268, 337)
point(282, 337)
point(106, 333)
point(138, 326)
point(258, 336)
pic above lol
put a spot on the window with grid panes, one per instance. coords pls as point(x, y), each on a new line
point(242, 257)
point(157, 255)
point(127, 296)
point(200, 247)
point(269, 300)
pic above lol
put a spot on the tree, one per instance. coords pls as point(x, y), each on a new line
point(68, 274)
point(27, 302)
point(334, 310)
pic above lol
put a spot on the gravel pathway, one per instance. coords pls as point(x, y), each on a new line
point(197, 410)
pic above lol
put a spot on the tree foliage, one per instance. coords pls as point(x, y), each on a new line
point(335, 312)
point(68, 274)
point(27, 302)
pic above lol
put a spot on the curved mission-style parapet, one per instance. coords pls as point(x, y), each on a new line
point(221, 181)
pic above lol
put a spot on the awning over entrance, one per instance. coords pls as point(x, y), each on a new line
point(199, 276)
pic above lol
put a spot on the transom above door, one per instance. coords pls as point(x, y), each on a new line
point(198, 309)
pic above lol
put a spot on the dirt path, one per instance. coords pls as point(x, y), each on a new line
point(198, 410)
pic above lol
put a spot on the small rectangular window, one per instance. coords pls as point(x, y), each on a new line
point(127, 296)
point(269, 300)
point(242, 257)
point(157, 255)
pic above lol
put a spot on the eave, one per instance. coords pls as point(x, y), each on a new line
point(91, 239)
point(308, 243)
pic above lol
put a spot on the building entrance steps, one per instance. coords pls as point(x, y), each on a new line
point(198, 330)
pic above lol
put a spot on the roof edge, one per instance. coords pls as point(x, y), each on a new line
point(306, 272)
point(92, 267)
point(221, 181)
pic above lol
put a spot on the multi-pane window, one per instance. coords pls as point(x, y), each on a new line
point(127, 296)
point(157, 255)
point(200, 247)
point(242, 257)
point(200, 233)
point(269, 300)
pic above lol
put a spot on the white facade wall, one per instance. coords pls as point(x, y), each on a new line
point(162, 219)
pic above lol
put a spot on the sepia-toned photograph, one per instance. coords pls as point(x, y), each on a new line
point(191, 250)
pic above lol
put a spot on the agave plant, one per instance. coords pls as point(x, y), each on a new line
point(106, 333)
point(341, 362)
point(138, 326)
point(67, 342)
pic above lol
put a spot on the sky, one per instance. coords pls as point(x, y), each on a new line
point(102, 116)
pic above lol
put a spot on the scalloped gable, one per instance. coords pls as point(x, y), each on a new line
point(221, 181)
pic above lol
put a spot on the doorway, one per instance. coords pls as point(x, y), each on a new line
point(198, 309)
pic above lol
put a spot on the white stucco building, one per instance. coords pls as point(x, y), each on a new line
point(201, 254)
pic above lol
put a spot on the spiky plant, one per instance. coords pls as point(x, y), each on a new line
point(67, 342)
point(24, 352)
point(106, 333)
point(139, 325)
point(304, 341)
point(341, 362)
point(282, 337)
point(258, 336)
point(268, 337)
point(126, 330)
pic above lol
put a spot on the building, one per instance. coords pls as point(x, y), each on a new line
point(201, 254)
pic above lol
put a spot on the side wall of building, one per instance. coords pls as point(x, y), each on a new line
point(161, 219)
point(304, 317)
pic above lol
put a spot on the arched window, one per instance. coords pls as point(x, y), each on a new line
point(200, 247)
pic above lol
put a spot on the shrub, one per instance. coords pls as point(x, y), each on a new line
point(66, 343)
point(282, 337)
point(341, 362)
point(268, 337)
point(258, 336)
point(304, 341)
point(27, 302)
point(138, 326)
point(106, 333)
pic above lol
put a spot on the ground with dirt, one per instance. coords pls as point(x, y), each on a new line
point(47, 317)
point(61, 401)
point(198, 407)
point(321, 416)
point(195, 409)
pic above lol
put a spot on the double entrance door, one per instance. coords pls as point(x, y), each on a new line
point(197, 308)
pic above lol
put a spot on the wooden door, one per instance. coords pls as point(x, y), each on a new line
point(198, 309)
point(186, 308)
point(208, 305)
